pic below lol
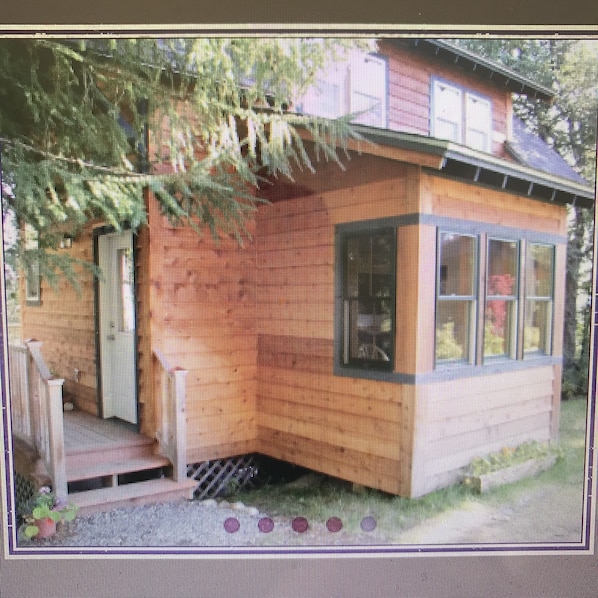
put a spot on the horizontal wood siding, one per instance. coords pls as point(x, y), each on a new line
point(460, 420)
point(345, 427)
point(455, 199)
point(64, 322)
point(207, 326)
point(409, 87)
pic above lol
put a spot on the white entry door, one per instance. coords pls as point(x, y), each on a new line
point(117, 326)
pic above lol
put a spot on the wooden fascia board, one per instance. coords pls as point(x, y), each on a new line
point(398, 154)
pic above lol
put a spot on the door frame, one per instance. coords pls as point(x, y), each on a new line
point(97, 233)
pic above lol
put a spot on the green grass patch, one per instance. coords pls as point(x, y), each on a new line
point(332, 497)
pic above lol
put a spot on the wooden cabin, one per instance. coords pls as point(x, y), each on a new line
point(387, 324)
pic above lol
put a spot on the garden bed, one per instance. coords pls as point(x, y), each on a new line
point(484, 482)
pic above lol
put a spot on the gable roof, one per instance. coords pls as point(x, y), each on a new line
point(530, 150)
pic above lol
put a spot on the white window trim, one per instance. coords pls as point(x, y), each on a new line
point(460, 118)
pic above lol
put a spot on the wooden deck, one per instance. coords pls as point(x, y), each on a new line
point(84, 432)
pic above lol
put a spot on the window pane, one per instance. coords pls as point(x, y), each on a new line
point(457, 265)
point(447, 112)
point(503, 257)
point(369, 299)
point(453, 330)
point(456, 297)
point(499, 330)
point(537, 332)
point(500, 323)
point(539, 271)
point(477, 121)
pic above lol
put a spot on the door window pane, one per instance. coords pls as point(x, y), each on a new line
point(126, 305)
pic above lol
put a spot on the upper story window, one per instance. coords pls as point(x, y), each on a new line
point(368, 298)
point(460, 116)
point(357, 86)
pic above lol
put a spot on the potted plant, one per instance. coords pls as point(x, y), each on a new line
point(43, 511)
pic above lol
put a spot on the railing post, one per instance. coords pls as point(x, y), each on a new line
point(48, 421)
point(179, 377)
point(34, 394)
point(56, 456)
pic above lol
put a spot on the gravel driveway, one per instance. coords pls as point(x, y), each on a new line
point(548, 514)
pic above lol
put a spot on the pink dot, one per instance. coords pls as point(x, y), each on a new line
point(300, 524)
point(265, 525)
point(334, 524)
point(231, 525)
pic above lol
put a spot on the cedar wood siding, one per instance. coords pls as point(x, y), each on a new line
point(349, 428)
point(410, 76)
point(455, 421)
point(64, 322)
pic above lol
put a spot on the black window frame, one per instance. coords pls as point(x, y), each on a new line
point(344, 362)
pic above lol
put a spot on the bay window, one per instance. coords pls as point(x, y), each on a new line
point(513, 283)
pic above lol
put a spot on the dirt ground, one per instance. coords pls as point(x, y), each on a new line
point(547, 514)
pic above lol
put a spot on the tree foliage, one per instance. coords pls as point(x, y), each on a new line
point(75, 117)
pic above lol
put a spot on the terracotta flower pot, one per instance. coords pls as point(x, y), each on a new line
point(47, 528)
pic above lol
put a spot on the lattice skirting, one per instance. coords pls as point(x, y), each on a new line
point(224, 477)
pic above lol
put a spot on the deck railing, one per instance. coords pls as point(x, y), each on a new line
point(172, 427)
point(36, 409)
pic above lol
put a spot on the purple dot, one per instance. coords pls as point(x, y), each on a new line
point(300, 524)
point(368, 524)
point(232, 525)
point(334, 524)
point(265, 525)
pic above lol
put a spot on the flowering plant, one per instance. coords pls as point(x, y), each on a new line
point(45, 505)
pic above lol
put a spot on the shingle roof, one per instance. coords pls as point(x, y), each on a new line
point(530, 150)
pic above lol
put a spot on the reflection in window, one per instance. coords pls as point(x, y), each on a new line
point(539, 288)
point(369, 299)
point(126, 297)
point(456, 297)
point(500, 324)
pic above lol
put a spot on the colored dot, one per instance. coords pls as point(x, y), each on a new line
point(300, 524)
point(265, 525)
point(334, 524)
point(368, 524)
point(232, 525)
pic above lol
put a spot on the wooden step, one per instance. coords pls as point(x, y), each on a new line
point(90, 456)
point(88, 471)
point(139, 493)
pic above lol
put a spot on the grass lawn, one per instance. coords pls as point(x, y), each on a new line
point(332, 497)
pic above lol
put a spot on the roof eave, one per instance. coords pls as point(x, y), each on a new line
point(513, 81)
point(444, 155)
